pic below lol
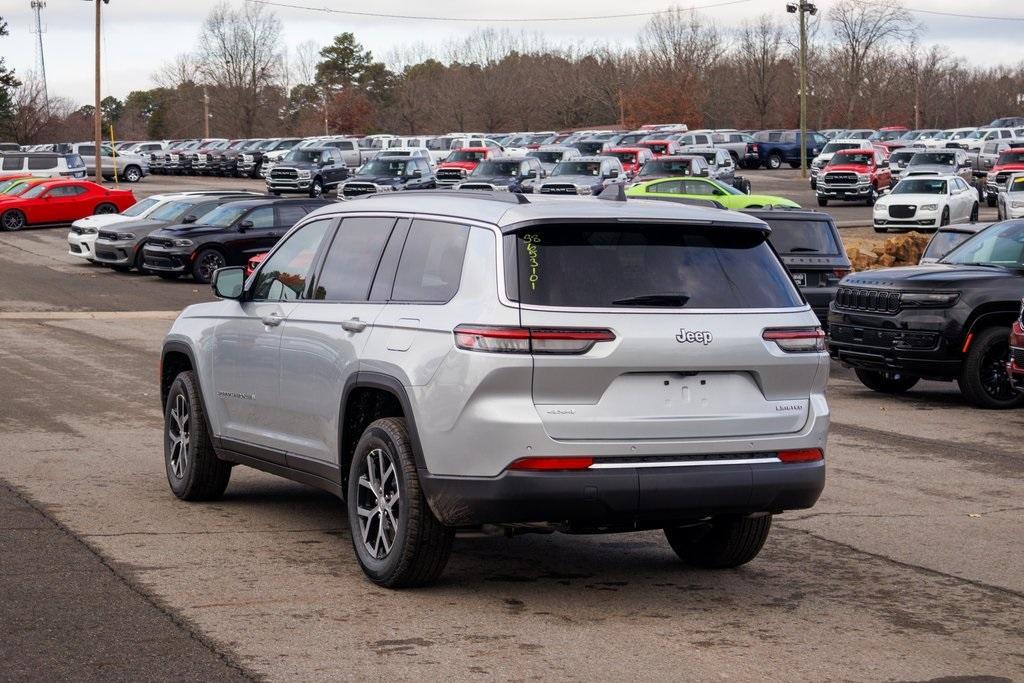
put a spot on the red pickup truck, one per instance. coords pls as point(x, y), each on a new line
point(1010, 161)
point(632, 158)
point(660, 148)
point(854, 175)
point(459, 164)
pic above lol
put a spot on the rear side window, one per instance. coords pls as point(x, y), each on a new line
point(802, 237)
point(352, 261)
point(595, 266)
point(41, 163)
point(13, 162)
point(431, 265)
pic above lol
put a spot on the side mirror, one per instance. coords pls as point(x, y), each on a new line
point(191, 218)
point(718, 192)
point(416, 174)
point(228, 283)
point(614, 173)
point(244, 225)
point(705, 172)
point(530, 174)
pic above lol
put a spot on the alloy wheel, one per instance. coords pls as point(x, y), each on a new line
point(994, 377)
point(13, 220)
point(378, 503)
point(209, 263)
point(179, 432)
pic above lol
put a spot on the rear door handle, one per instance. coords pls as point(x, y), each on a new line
point(272, 320)
point(353, 325)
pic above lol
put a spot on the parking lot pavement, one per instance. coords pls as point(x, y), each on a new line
point(907, 569)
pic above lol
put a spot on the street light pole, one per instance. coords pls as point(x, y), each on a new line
point(97, 115)
point(206, 113)
point(803, 8)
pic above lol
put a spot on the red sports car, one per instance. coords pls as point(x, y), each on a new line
point(10, 189)
point(61, 201)
point(254, 263)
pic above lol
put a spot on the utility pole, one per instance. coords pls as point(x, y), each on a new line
point(327, 130)
point(206, 113)
point(803, 8)
point(37, 7)
point(98, 115)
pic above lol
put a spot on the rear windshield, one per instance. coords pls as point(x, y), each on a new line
point(613, 266)
point(547, 157)
point(943, 243)
point(802, 237)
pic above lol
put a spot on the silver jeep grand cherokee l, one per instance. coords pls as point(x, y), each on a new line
point(467, 358)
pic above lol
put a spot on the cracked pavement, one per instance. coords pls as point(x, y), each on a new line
point(909, 568)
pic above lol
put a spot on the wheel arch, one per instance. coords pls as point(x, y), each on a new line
point(987, 315)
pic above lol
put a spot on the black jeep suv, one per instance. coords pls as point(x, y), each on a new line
point(229, 235)
point(945, 321)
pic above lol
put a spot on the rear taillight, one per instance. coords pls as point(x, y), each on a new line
point(549, 464)
point(840, 273)
point(802, 455)
point(797, 340)
point(538, 340)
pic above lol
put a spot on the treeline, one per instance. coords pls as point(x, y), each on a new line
point(867, 67)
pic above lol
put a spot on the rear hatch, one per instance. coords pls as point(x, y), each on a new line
point(687, 307)
point(810, 250)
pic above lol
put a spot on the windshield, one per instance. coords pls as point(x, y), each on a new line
point(170, 211)
point(33, 191)
point(254, 144)
point(497, 168)
point(657, 147)
point(933, 159)
point(266, 144)
point(944, 242)
point(466, 155)
point(624, 157)
point(920, 186)
point(577, 168)
point(139, 208)
point(223, 216)
point(547, 157)
point(977, 135)
point(307, 155)
point(856, 158)
point(383, 167)
point(1000, 245)
point(667, 167)
point(884, 135)
point(542, 139)
point(833, 147)
point(606, 266)
point(1016, 185)
point(1011, 156)
point(901, 157)
point(15, 187)
point(960, 135)
point(802, 237)
point(439, 144)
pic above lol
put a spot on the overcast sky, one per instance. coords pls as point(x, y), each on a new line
point(141, 35)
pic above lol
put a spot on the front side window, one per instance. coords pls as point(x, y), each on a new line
point(352, 260)
point(284, 274)
point(611, 266)
point(430, 268)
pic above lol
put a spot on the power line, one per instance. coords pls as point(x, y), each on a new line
point(382, 15)
point(956, 15)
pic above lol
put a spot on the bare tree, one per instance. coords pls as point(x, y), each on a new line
point(239, 54)
point(860, 29)
point(760, 61)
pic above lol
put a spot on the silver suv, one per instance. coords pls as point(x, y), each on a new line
point(459, 359)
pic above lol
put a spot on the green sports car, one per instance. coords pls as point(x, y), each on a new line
point(692, 187)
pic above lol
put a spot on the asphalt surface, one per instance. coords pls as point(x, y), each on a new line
point(908, 569)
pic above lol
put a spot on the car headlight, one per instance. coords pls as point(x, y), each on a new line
point(584, 189)
point(881, 208)
point(90, 231)
point(246, 157)
point(1017, 204)
point(305, 174)
point(183, 243)
point(125, 235)
point(929, 299)
point(929, 207)
point(863, 177)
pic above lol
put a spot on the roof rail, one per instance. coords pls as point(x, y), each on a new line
point(506, 197)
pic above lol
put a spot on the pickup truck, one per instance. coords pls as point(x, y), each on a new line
point(734, 142)
point(786, 149)
point(1009, 162)
point(854, 175)
point(129, 167)
point(460, 163)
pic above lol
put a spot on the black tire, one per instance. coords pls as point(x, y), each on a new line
point(206, 264)
point(774, 162)
point(974, 214)
point(194, 472)
point(945, 217)
point(794, 164)
point(420, 544)
point(122, 267)
point(12, 220)
point(814, 184)
point(169, 276)
point(991, 199)
point(105, 208)
point(885, 381)
point(872, 196)
point(140, 261)
point(132, 174)
point(723, 543)
point(316, 190)
point(983, 379)
point(822, 201)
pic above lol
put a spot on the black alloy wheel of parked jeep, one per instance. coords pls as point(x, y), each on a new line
point(983, 379)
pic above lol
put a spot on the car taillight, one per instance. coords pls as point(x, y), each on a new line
point(548, 464)
point(802, 455)
point(797, 340)
point(538, 340)
point(836, 275)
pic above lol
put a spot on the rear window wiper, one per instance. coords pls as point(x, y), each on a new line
point(654, 300)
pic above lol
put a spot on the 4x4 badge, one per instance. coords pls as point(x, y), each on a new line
point(694, 337)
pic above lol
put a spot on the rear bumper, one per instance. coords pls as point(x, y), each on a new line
point(644, 496)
